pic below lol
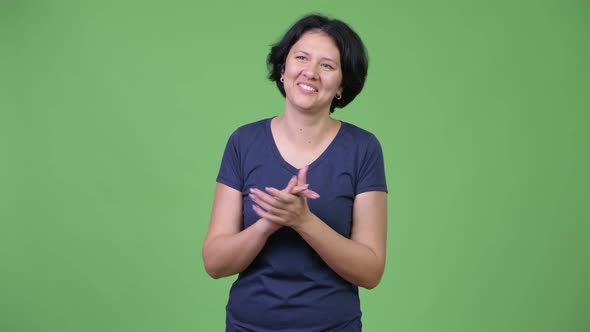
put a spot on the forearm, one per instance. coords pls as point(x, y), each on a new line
point(353, 261)
point(228, 254)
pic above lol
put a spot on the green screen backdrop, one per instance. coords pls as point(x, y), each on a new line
point(114, 116)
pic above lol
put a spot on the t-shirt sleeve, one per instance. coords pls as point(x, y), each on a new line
point(372, 169)
point(230, 172)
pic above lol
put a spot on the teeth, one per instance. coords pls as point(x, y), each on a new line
point(307, 87)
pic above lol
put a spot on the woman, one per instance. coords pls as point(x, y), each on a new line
point(302, 250)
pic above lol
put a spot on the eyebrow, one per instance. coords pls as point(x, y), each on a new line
point(324, 58)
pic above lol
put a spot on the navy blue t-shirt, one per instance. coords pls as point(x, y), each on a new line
point(288, 287)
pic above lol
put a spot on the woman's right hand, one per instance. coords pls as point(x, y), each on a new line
point(295, 186)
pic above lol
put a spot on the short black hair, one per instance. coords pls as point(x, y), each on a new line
point(353, 55)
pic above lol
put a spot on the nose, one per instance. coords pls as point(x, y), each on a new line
point(310, 72)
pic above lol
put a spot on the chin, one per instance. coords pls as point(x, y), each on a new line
point(308, 107)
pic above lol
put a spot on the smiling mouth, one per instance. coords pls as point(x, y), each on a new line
point(307, 87)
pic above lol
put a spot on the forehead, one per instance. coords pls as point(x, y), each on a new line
point(317, 43)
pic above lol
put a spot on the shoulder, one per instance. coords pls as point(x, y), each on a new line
point(248, 133)
point(358, 136)
point(253, 126)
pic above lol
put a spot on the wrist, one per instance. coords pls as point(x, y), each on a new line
point(265, 227)
point(306, 223)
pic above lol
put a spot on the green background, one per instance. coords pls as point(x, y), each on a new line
point(114, 116)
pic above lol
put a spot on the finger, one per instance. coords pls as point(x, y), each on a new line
point(292, 183)
point(263, 214)
point(280, 195)
point(302, 175)
point(311, 194)
point(303, 191)
point(262, 198)
point(262, 204)
point(299, 188)
point(301, 180)
point(307, 194)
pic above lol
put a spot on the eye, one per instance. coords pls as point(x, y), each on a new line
point(327, 66)
point(301, 58)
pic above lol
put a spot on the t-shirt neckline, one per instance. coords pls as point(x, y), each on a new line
point(317, 161)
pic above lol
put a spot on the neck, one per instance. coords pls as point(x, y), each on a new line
point(306, 129)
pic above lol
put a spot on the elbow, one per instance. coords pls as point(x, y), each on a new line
point(373, 280)
point(215, 267)
point(214, 274)
point(370, 284)
point(213, 271)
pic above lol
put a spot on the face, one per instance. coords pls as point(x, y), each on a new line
point(312, 75)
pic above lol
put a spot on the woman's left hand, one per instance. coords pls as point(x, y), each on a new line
point(286, 207)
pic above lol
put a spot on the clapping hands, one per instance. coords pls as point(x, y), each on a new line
point(286, 207)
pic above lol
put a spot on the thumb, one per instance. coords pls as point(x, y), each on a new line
point(292, 183)
point(302, 175)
